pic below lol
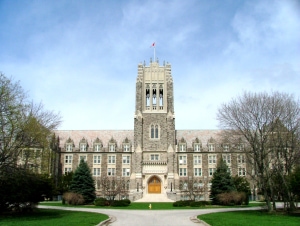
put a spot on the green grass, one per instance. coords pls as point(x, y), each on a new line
point(144, 206)
point(46, 217)
point(249, 218)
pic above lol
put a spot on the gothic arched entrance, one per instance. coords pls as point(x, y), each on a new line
point(154, 185)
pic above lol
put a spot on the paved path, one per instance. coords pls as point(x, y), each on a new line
point(152, 217)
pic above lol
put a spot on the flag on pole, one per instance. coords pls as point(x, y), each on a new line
point(153, 45)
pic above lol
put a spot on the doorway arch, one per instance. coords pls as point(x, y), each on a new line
point(154, 185)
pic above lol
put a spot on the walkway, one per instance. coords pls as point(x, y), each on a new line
point(152, 217)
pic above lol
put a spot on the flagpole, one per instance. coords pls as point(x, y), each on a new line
point(154, 53)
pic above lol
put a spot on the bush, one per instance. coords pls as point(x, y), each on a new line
point(119, 203)
point(232, 198)
point(100, 202)
point(127, 201)
point(182, 203)
point(197, 204)
point(72, 198)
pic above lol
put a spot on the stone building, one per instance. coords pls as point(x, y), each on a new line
point(154, 158)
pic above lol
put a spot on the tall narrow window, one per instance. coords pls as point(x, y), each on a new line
point(161, 97)
point(152, 131)
point(154, 97)
point(147, 97)
point(156, 131)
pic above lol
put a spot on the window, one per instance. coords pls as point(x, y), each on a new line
point(197, 148)
point(111, 171)
point(126, 159)
point(96, 171)
point(197, 159)
point(126, 172)
point(68, 159)
point(226, 147)
point(97, 147)
point(111, 159)
point(126, 148)
point(197, 172)
point(227, 158)
point(69, 147)
point(211, 147)
point(97, 159)
point(111, 147)
point(154, 157)
point(182, 172)
point(83, 147)
point(182, 160)
point(182, 148)
point(242, 171)
point(154, 131)
point(82, 157)
point(68, 169)
point(211, 171)
point(212, 159)
point(241, 147)
point(241, 159)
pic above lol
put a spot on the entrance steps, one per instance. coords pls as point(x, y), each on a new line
point(154, 198)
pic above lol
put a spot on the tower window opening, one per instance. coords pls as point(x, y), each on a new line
point(152, 131)
point(147, 97)
point(154, 97)
point(161, 95)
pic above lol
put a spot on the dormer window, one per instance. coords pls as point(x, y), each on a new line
point(126, 147)
point(197, 147)
point(211, 147)
point(83, 147)
point(111, 147)
point(97, 147)
point(225, 147)
point(69, 147)
point(182, 147)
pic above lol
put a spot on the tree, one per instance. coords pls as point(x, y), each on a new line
point(83, 182)
point(221, 181)
point(242, 185)
point(113, 187)
point(23, 124)
point(269, 124)
point(21, 189)
point(192, 188)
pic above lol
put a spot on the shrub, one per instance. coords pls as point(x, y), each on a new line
point(72, 198)
point(232, 198)
point(101, 202)
point(119, 203)
point(127, 201)
point(182, 203)
point(197, 204)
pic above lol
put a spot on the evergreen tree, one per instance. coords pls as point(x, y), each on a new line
point(242, 185)
point(83, 182)
point(221, 181)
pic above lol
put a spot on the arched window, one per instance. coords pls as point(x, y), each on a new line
point(154, 131)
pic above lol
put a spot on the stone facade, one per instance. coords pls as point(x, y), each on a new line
point(154, 149)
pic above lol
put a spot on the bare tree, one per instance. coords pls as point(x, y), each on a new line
point(269, 124)
point(192, 188)
point(113, 187)
point(22, 123)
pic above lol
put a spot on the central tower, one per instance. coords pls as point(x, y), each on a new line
point(154, 129)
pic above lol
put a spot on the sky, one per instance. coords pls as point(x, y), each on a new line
point(80, 58)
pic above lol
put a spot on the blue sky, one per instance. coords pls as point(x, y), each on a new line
point(80, 57)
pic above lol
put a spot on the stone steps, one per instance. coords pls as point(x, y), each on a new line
point(154, 198)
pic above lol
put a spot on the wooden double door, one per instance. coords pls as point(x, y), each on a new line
point(154, 185)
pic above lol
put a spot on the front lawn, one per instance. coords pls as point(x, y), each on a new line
point(47, 217)
point(249, 218)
